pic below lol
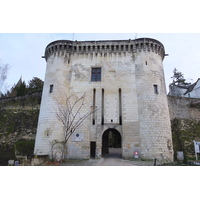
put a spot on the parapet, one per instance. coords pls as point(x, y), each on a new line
point(105, 47)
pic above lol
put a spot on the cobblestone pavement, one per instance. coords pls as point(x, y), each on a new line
point(112, 159)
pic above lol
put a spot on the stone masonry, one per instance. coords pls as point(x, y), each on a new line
point(124, 81)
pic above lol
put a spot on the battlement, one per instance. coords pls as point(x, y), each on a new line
point(105, 47)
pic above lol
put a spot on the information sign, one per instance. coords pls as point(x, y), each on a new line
point(196, 148)
point(136, 154)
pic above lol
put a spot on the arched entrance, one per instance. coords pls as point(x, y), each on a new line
point(111, 143)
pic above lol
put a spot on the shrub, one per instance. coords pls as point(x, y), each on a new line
point(24, 147)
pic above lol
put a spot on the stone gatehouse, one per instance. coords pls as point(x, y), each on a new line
point(123, 80)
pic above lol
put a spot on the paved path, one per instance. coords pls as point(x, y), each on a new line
point(114, 158)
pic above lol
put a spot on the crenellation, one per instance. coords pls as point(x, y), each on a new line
point(138, 45)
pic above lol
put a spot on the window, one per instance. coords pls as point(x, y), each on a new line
point(155, 89)
point(51, 89)
point(96, 74)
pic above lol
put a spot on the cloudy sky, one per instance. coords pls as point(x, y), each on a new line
point(174, 23)
point(23, 52)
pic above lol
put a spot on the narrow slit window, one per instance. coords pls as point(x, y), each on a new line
point(120, 106)
point(155, 89)
point(94, 102)
point(51, 89)
point(102, 108)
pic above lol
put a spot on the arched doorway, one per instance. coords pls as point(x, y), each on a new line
point(111, 143)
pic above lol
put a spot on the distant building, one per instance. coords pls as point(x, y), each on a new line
point(190, 91)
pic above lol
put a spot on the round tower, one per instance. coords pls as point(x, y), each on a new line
point(155, 128)
point(55, 90)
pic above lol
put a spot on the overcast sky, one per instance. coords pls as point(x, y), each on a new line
point(23, 52)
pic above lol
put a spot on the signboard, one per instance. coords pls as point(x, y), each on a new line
point(11, 162)
point(196, 148)
point(16, 163)
point(77, 137)
point(180, 155)
point(136, 154)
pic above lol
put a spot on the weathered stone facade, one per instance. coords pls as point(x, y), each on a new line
point(124, 81)
point(185, 124)
point(184, 108)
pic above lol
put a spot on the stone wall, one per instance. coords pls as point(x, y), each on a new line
point(185, 123)
point(184, 108)
point(18, 124)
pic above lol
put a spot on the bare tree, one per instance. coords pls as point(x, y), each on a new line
point(3, 73)
point(71, 115)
